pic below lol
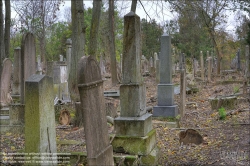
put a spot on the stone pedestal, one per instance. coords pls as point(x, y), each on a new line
point(165, 93)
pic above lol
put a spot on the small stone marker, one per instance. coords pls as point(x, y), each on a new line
point(68, 53)
point(90, 85)
point(165, 93)
point(16, 71)
point(5, 82)
point(28, 60)
point(40, 133)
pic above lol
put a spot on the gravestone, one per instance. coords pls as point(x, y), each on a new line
point(16, 71)
point(157, 68)
point(60, 58)
point(68, 53)
point(238, 60)
point(165, 92)
point(209, 69)
point(90, 85)
point(183, 89)
point(28, 60)
point(102, 66)
point(5, 82)
point(40, 133)
point(50, 68)
point(39, 65)
point(134, 132)
point(151, 63)
point(202, 66)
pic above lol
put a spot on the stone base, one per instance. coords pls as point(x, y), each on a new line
point(17, 114)
point(104, 158)
point(135, 145)
point(133, 126)
point(165, 111)
point(16, 98)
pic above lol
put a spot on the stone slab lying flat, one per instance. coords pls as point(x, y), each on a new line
point(135, 145)
point(133, 126)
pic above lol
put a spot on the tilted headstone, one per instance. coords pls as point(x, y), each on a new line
point(28, 60)
point(202, 66)
point(134, 125)
point(5, 82)
point(17, 71)
point(40, 132)
point(165, 92)
point(90, 85)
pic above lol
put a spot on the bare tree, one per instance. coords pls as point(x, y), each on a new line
point(112, 43)
point(7, 28)
point(133, 5)
point(95, 22)
point(36, 17)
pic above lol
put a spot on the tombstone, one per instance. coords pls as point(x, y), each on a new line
point(157, 69)
point(68, 54)
point(134, 131)
point(209, 69)
point(5, 82)
point(39, 65)
point(60, 58)
point(182, 92)
point(202, 66)
point(238, 60)
point(121, 62)
point(165, 92)
point(16, 71)
point(40, 132)
point(28, 60)
point(50, 68)
point(90, 85)
point(247, 68)
point(151, 63)
point(102, 66)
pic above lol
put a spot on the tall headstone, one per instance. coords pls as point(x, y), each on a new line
point(247, 69)
point(90, 85)
point(40, 132)
point(16, 71)
point(165, 92)
point(68, 53)
point(102, 66)
point(183, 90)
point(39, 65)
point(5, 82)
point(134, 132)
point(238, 62)
point(202, 66)
point(28, 60)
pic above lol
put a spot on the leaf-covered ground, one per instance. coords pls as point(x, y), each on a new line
point(227, 141)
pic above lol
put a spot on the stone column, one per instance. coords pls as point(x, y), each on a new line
point(40, 132)
point(165, 93)
point(16, 71)
point(202, 66)
point(134, 132)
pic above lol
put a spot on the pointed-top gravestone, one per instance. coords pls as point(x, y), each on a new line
point(28, 60)
point(165, 107)
point(90, 85)
point(5, 82)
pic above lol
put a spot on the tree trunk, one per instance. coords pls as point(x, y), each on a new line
point(96, 13)
point(78, 33)
point(7, 28)
point(112, 43)
point(133, 5)
point(2, 52)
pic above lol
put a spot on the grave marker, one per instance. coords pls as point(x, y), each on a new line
point(5, 82)
point(40, 133)
point(202, 66)
point(165, 92)
point(90, 85)
point(16, 71)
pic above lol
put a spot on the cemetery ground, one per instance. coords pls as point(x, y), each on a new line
point(226, 141)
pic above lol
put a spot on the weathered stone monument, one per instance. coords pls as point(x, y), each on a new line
point(209, 69)
point(157, 67)
point(39, 65)
point(28, 60)
point(5, 83)
point(202, 66)
point(151, 63)
point(183, 88)
point(40, 133)
point(16, 71)
point(68, 53)
point(165, 92)
point(134, 132)
point(90, 85)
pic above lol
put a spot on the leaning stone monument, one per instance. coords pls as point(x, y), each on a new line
point(134, 132)
point(166, 106)
point(90, 85)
